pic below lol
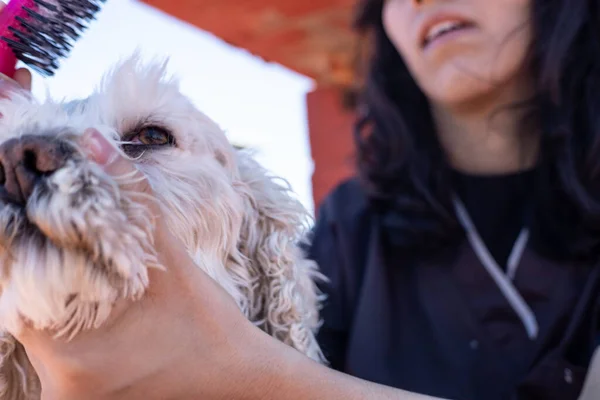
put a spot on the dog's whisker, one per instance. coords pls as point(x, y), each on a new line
point(130, 180)
point(135, 175)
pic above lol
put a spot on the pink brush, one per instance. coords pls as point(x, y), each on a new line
point(39, 32)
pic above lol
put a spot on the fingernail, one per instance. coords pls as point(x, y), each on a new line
point(98, 148)
point(6, 82)
point(7, 86)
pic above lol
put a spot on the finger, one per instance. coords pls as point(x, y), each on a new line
point(98, 148)
point(20, 81)
point(184, 276)
point(9, 86)
point(23, 78)
point(102, 151)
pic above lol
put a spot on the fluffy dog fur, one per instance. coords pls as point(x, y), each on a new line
point(83, 241)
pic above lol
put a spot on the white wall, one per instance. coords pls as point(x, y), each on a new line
point(259, 105)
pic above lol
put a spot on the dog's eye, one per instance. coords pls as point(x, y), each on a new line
point(152, 136)
point(145, 139)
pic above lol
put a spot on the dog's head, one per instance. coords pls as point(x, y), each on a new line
point(73, 240)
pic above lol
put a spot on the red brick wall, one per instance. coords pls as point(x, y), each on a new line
point(312, 37)
point(330, 132)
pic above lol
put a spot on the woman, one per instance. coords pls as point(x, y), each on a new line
point(491, 115)
point(463, 261)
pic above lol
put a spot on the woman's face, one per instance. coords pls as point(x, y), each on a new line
point(460, 50)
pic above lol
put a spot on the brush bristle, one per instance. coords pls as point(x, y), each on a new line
point(43, 34)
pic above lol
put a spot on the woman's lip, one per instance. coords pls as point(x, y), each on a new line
point(439, 18)
point(447, 36)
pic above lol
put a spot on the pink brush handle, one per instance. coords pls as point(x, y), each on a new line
point(14, 9)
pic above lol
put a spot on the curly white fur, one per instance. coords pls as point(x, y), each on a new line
point(83, 241)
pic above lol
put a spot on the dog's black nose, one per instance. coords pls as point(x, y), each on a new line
point(24, 161)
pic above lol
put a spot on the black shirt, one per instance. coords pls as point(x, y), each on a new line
point(496, 206)
point(441, 326)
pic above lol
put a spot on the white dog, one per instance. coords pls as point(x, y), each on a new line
point(73, 240)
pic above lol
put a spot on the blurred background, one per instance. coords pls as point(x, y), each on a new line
point(277, 75)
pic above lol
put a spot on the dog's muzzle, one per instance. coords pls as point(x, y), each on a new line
point(26, 161)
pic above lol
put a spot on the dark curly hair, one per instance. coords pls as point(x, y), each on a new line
point(403, 168)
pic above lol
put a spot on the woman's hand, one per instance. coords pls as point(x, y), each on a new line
point(185, 339)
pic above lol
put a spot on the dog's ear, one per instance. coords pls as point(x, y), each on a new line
point(18, 379)
point(284, 299)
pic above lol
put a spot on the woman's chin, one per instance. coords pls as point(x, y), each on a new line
point(463, 95)
point(463, 88)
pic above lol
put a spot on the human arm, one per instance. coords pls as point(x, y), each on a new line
point(292, 376)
